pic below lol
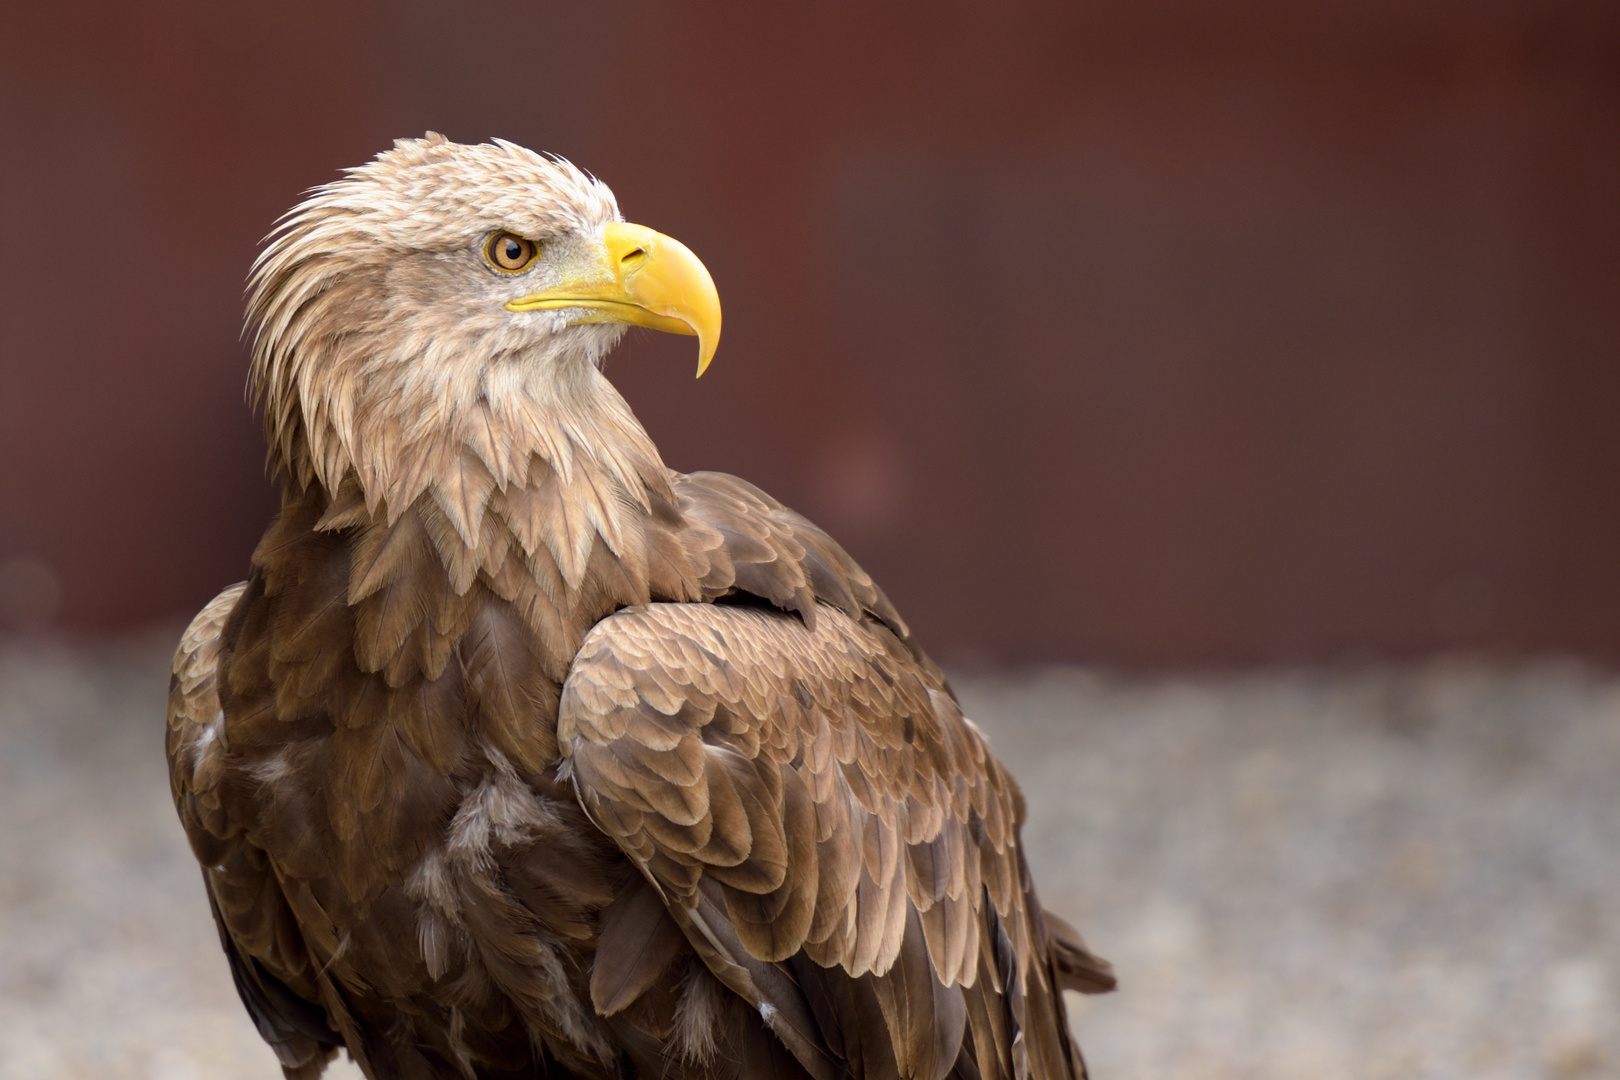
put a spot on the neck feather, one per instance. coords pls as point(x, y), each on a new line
point(538, 452)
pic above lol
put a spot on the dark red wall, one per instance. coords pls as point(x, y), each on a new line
point(1148, 332)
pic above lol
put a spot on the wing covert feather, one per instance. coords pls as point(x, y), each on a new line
point(749, 748)
point(808, 789)
point(753, 544)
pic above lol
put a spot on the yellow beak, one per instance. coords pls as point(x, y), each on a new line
point(643, 278)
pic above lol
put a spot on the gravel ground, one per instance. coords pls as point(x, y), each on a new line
point(1369, 872)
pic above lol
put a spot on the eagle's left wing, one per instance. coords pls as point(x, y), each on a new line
point(831, 834)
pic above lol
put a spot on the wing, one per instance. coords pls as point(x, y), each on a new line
point(746, 544)
point(833, 836)
point(268, 960)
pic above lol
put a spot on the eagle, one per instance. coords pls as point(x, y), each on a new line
point(519, 754)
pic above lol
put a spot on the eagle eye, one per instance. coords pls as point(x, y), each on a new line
point(510, 252)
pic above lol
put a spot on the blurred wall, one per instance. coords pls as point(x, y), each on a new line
point(1151, 333)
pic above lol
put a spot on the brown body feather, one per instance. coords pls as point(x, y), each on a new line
point(519, 755)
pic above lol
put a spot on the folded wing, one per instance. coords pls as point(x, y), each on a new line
point(831, 834)
point(269, 963)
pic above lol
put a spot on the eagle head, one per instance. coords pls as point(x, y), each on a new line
point(441, 285)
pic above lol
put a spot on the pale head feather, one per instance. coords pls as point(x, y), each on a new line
point(382, 347)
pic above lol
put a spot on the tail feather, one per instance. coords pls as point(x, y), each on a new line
point(1076, 967)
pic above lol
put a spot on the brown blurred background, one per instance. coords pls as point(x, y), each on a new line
point(1146, 333)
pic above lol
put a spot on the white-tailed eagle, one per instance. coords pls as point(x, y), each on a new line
point(519, 754)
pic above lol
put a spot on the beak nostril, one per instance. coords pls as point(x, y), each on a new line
point(633, 258)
